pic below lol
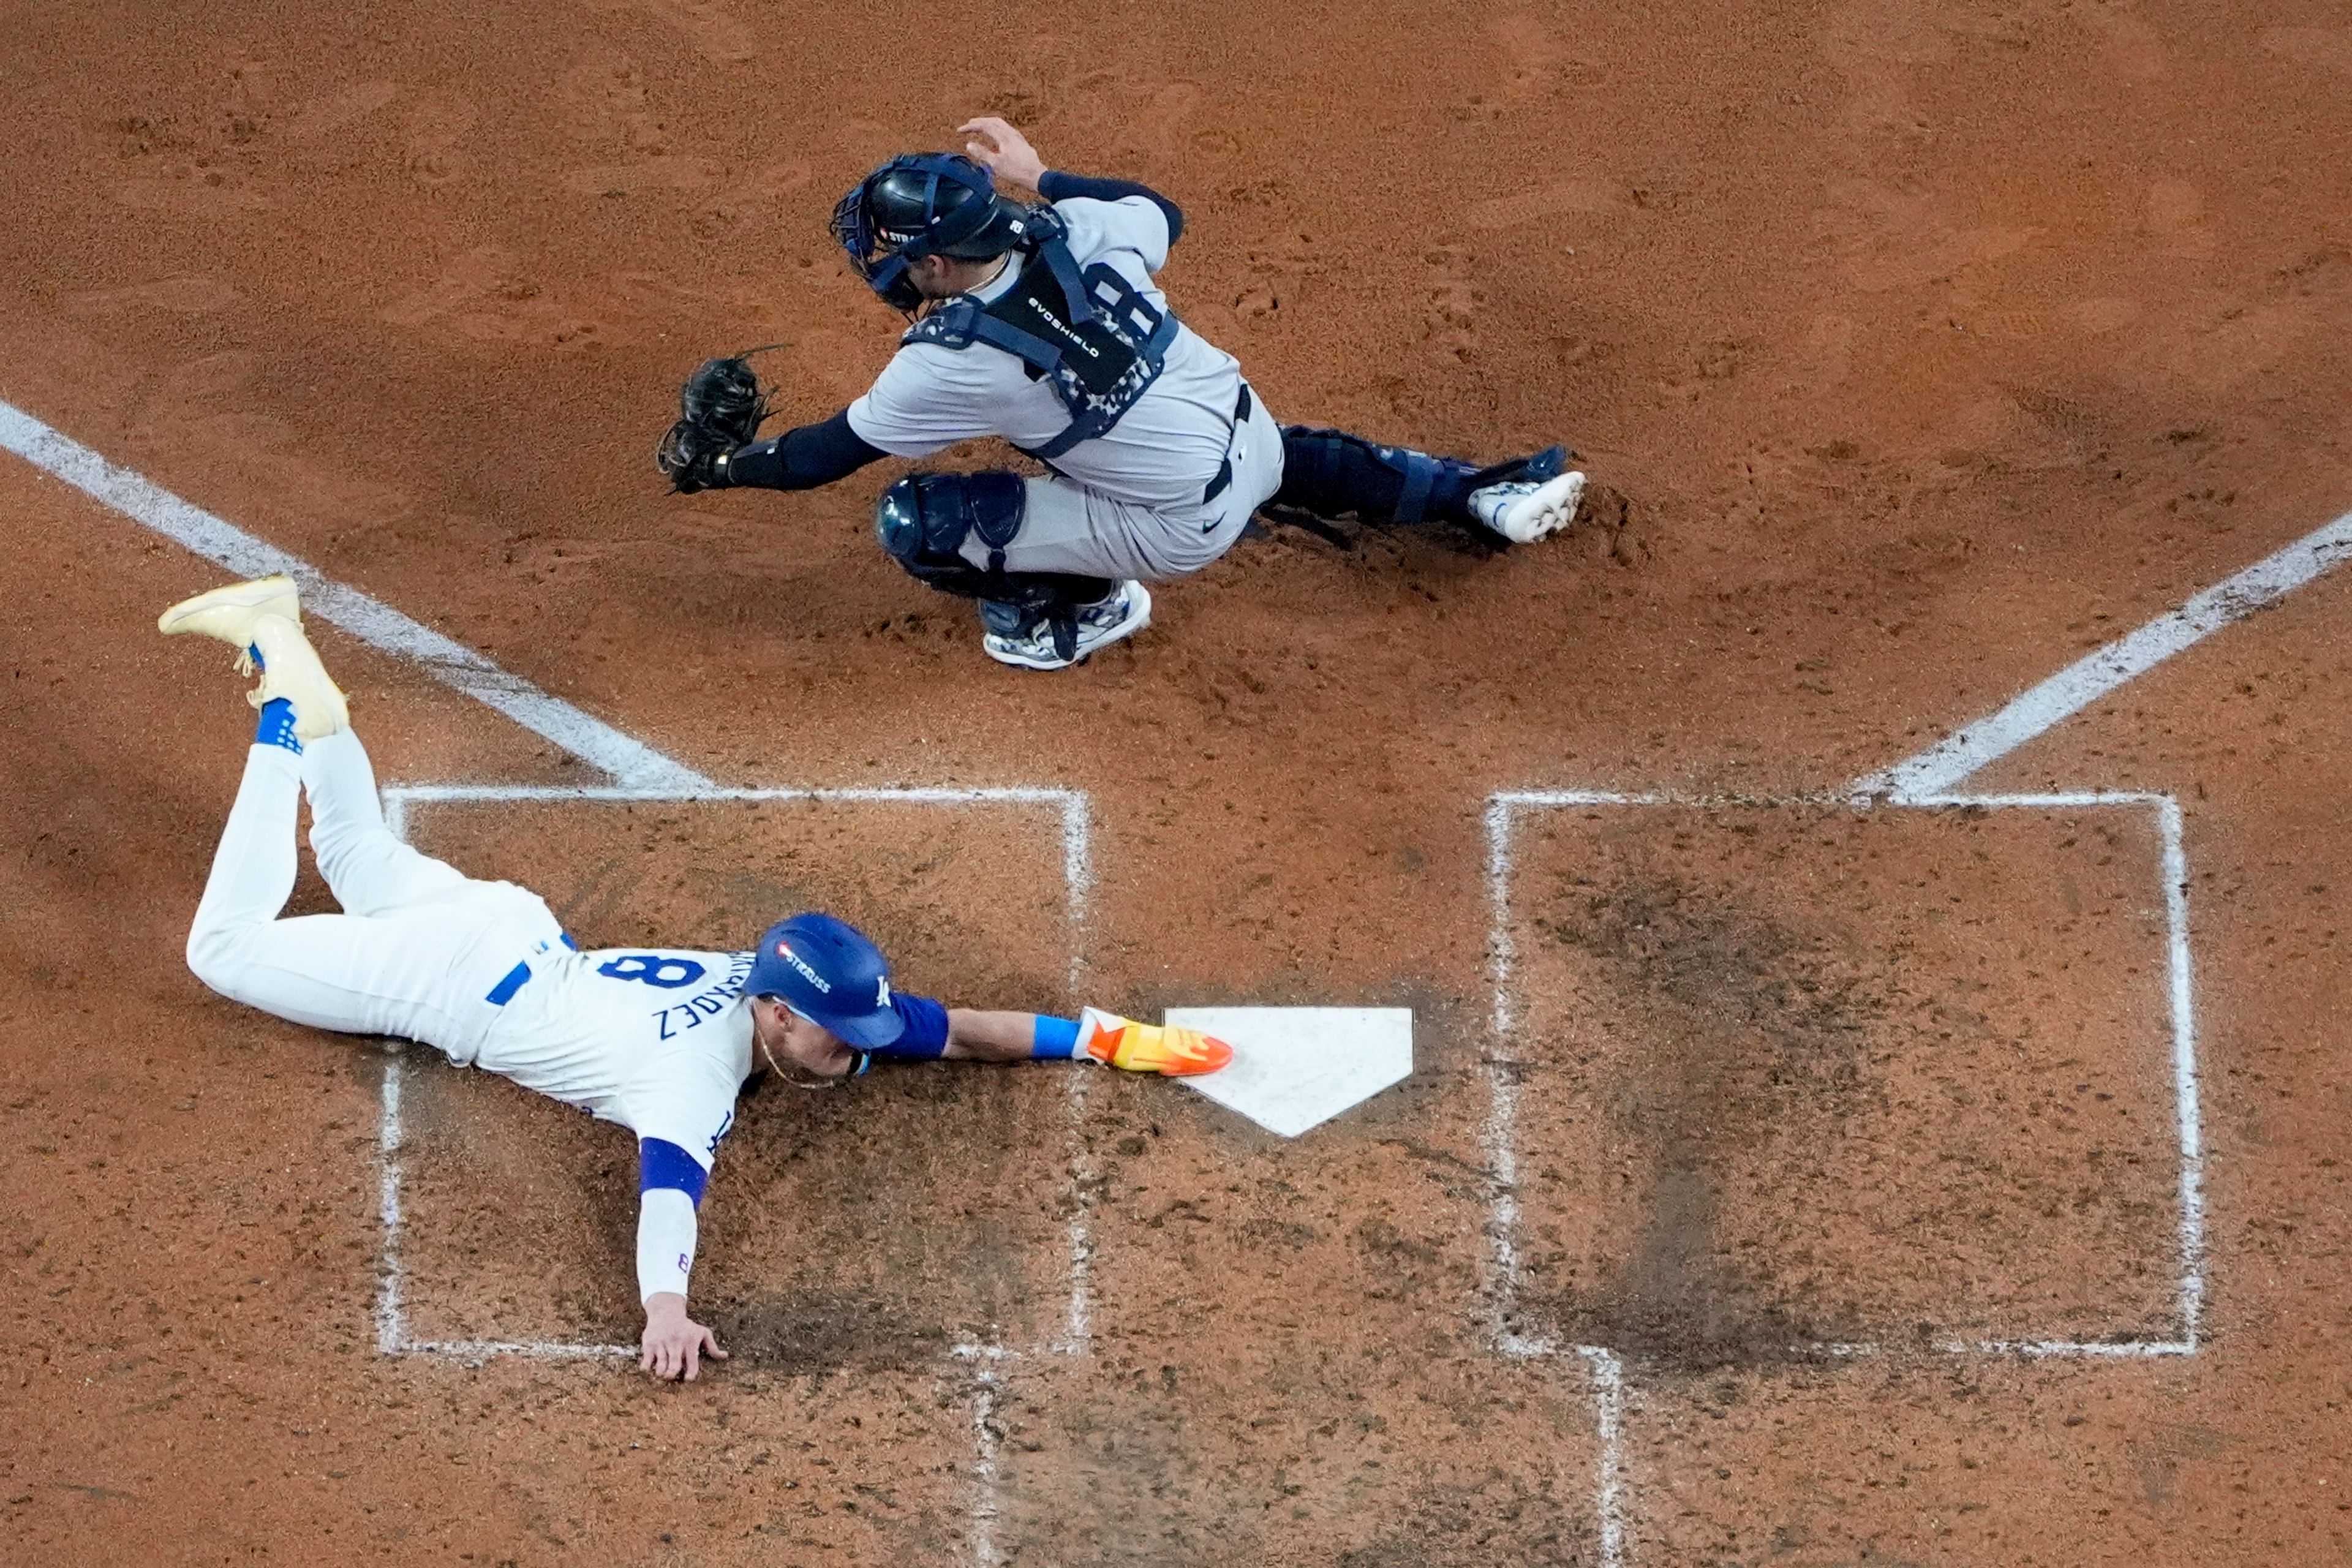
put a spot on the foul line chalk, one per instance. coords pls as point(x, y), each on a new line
point(370, 620)
point(1943, 766)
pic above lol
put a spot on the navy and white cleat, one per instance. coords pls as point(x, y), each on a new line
point(1524, 511)
point(1036, 645)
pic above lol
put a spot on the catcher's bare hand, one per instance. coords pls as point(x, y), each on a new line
point(672, 1344)
point(1003, 151)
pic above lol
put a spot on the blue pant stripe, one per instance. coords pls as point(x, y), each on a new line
point(504, 991)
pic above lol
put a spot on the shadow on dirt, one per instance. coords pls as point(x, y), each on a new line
point(806, 1332)
point(1747, 1035)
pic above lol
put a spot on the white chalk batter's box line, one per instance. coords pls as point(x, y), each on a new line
point(1075, 810)
point(642, 773)
point(1604, 1366)
point(1502, 1274)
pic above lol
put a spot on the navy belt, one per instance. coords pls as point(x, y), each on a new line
point(1224, 478)
point(519, 977)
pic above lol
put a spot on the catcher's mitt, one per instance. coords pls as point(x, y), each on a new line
point(719, 408)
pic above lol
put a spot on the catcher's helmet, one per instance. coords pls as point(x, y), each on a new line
point(825, 970)
point(922, 203)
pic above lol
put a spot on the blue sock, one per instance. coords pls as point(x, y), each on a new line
point(277, 726)
point(1055, 1038)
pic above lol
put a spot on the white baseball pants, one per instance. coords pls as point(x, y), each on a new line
point(419, 948)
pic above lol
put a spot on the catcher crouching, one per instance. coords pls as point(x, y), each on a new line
point(1042, 324)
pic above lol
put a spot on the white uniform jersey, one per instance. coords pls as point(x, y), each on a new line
point(656, 1040)
point(1162, 451)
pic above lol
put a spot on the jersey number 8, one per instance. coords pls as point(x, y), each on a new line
point(669, 973)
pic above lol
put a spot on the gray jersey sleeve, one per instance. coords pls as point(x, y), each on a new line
point(1132, 223)
point(929, 397)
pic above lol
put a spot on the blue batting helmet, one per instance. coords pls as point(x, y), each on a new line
point(826, 970)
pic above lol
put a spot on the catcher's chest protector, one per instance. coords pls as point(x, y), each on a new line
point(1088, 335)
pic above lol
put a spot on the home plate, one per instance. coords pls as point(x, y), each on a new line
point(1297, 1067)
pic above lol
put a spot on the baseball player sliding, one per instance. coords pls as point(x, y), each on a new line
point(658, 1040)
point(1042, 325)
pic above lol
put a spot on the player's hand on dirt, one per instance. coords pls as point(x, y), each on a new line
point(672, 1344)
point(1003, 151)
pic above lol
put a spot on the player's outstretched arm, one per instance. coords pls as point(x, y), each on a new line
point(670, 1183)
point(930, 1030)
point(1092, 1035)
point(801, 458)
point(978, 1036)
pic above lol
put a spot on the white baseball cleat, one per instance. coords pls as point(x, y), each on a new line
point(1523, 510)
point(230, 612)
point(1122, 613)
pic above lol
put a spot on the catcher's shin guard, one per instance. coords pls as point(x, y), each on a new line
point(1332, 474)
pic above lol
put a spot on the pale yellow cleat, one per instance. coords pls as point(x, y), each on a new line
point(290, 670)
point(1150, 1047)
point(264, 617)
point(229, 614)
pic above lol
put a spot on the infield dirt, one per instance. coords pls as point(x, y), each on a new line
point(1922, 347)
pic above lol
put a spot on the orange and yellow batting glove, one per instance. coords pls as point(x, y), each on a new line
point(1150, 1047)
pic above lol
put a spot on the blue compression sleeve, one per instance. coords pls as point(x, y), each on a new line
point(803, 457)
point(661, 1163)
point(926, 1027)
point(1057, 186)
point(1056, 1038)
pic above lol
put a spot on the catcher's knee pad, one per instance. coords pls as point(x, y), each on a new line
point(924, 519)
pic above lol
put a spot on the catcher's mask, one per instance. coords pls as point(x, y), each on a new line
point(919, 204)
